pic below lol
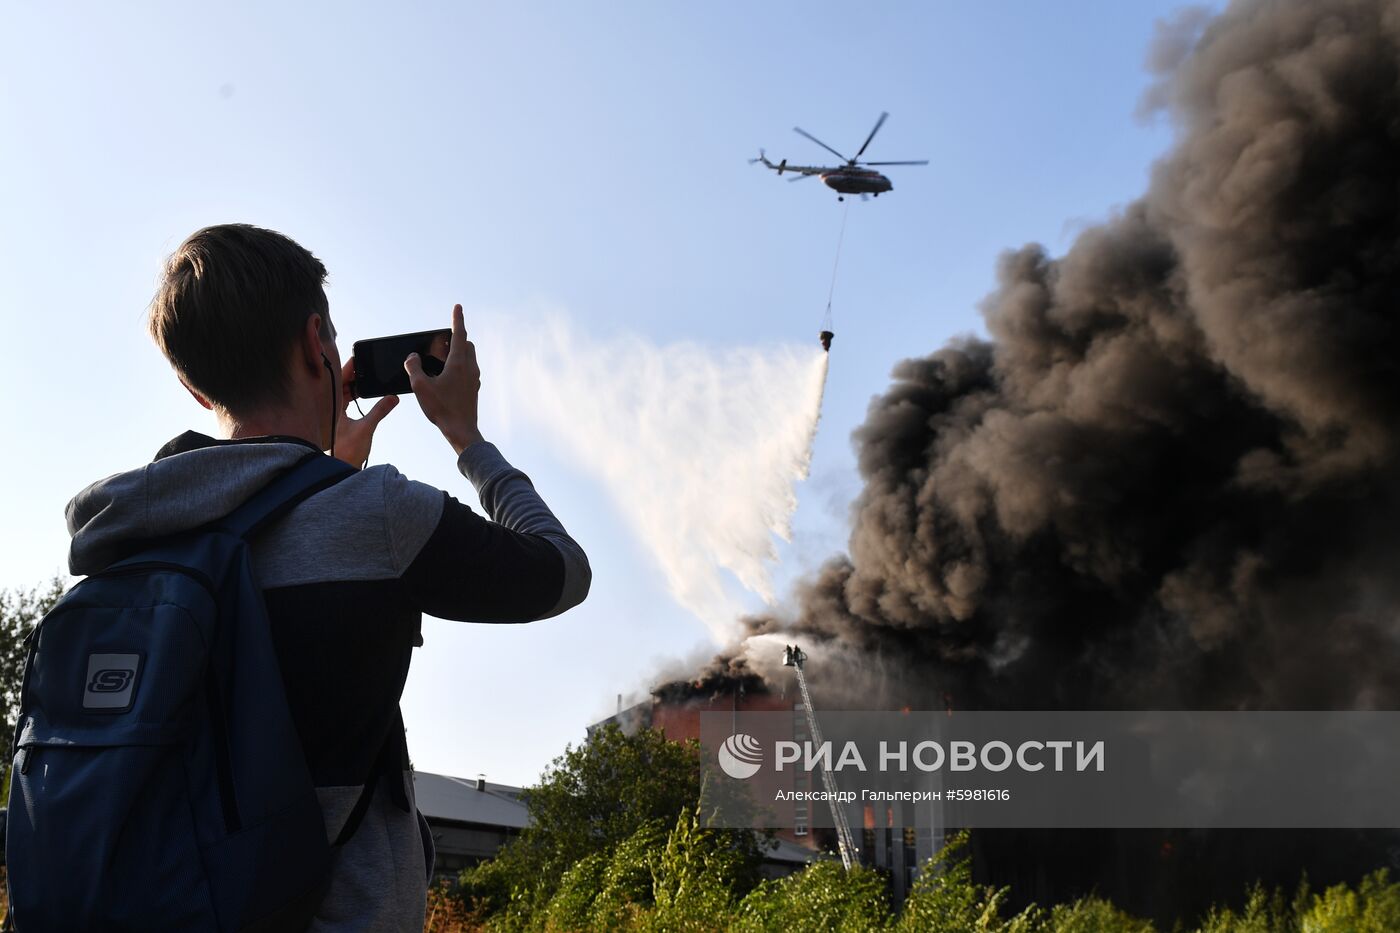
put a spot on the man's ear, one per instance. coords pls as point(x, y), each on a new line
point(197, 397)
point(312, 344)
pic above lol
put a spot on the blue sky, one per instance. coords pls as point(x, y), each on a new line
point(585, 158)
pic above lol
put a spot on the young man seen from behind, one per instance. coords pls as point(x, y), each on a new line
point(242, 316)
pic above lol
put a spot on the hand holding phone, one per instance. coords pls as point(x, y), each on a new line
point(354, 436)
point(379, 368)
point(449, 399)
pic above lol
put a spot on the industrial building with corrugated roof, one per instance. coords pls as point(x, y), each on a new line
point(471, 818)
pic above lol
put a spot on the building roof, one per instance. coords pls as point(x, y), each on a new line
point(789, 851)
point(443, 797)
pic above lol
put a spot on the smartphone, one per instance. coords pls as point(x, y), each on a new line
point(379, 362)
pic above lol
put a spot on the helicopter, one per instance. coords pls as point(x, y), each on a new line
point(850, 178)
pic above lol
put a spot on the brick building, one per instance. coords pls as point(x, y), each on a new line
point(891, 838)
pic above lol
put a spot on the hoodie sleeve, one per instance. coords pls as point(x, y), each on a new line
point(519, 566)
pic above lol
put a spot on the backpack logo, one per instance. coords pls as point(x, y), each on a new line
point(111, 682)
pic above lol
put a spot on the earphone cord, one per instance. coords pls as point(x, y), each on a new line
point(334, 418)
point(331, 369)
point(362, 414)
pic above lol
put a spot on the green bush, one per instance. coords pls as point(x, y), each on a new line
point(1374, 907)
point(695, 880)
point(489, 887)
point(699, 876)
point(686, 880)
point(590, 801)
point(1094, 915)
point(1263, 912)
point(626, 887)
point(821, 897)
point(944, 898)
point(572, 905)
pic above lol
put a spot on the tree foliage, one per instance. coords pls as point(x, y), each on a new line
point(20, 611)
point(597, 795)
point(607, 832)
point(688, 879)
point(700, 876)
point(823, 896)
point(1371, 907)
point(1093, 915)
point(945, 898)
point(1374, 906)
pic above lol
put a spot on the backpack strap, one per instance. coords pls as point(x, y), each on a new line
point(357, 813)
point(389, 765)
point(310, 475)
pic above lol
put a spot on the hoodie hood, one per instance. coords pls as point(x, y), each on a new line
point(192, 481)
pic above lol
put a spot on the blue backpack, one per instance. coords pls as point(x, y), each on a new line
point(158, 780)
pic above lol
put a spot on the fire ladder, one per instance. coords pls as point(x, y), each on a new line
point(793, 657)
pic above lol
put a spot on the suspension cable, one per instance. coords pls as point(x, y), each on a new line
point(831, 292)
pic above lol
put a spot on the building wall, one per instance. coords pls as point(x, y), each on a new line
point(680, 720)
point(462, 845)
point(890, 838)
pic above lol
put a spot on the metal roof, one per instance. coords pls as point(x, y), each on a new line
point(443, 797)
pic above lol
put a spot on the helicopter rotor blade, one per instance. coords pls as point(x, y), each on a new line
point(878, 123)
point(797, 178)
point(919, 162)
point(801, 132)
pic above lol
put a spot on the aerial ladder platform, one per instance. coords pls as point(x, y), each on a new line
point(793, 657)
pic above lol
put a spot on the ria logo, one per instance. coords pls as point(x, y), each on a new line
point(740, 756)
point(111, 682)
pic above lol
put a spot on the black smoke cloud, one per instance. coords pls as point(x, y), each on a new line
point(1169, 479)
